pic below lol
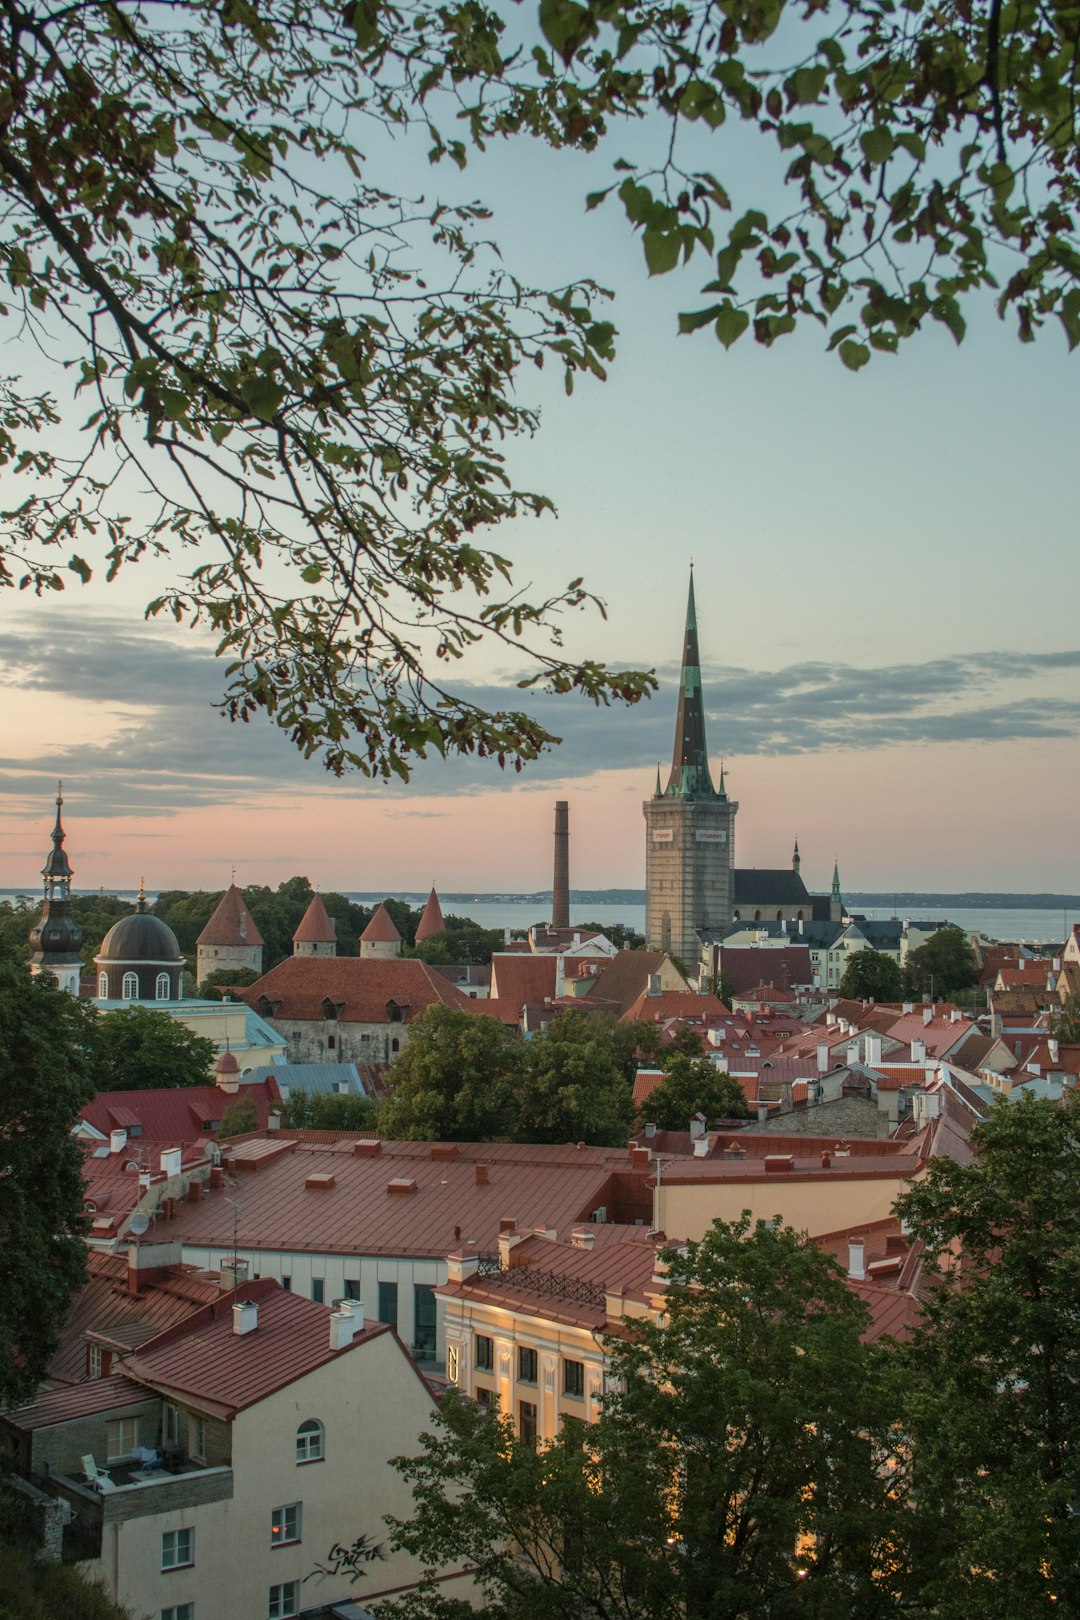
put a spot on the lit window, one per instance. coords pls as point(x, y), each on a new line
point(162, 987)
point(309, 1443)
point(121, 1438)
point(573, 1379)
point(130, 988)
point(526, 1366)
point(179, 1611)
point(284, 1600)
point(177, 1549)
point(285, 1524)
point(484, 1353)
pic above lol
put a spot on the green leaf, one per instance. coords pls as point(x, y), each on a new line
point(80, 567)
point(694, 320)
point(661, 251)
point(731, 323)
point(854, 355)
point(877, 144)
point(564, 25)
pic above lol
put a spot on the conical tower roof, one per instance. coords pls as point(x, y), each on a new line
point(231, 923)
point(57, 868)
point(431, 923)
point(381, 928)
point(316, 925)
point(690, 777)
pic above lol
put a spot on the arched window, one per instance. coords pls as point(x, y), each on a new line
point(162, 991)
point(736, 916)
point(130, 988)
point(800, 917)
point(757, 916)
point(103, 986)
point(395, 1045)
point(310, 1444)
point(779, 916)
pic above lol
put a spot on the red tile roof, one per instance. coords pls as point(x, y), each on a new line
point(225, 1372)
point(105, 1307)
point(549, 1186)
point(174, 1113)
point(623, 978)
point(381, 927)
point(231, 923)
point(431, 923)
point(623, 1262)
point(744, 966)
point(519, 979)
point(316, 925)
point(362, 987)
point(681, 1004)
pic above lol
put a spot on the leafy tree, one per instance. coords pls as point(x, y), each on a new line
point(454, 1081)
point(1065, 1021)
point(871, 976)
point(621, 935)
point(993, 1372)
point(943, 966)
point(216, 984)
point(330, 1113)
point(693, 1086)
point(685, 1042)
point(734, 1469)
point(138, 1048)
point(572, 1088)
point(44, 1081)
point(314, 375)
point(238, 1117)
point(635, 1043)
point(463, 941)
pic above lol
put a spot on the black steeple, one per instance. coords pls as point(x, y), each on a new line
point(690, 778)
point(56, 940)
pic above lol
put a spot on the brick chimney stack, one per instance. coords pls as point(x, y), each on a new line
point(560, 899)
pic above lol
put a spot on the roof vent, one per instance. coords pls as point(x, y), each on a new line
point(508, 1223)
point(321, 1179)
point(481, 1175)
point(778, 1164)
point(117, 1141)
point(245, 1316)
point(401, 1184)
point(444, 1150)
point(368, 1146)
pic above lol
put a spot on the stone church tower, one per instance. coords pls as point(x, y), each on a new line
point(690, 829)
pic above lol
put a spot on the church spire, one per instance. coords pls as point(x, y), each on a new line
point(56, 939)
point(57, 870)
point(796, 859)
point(836, 879)
point(690, 778)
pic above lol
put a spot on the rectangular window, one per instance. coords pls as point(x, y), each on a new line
point(352, 1288)
point(177, 1549)
point(284, 1600)
point(424, 1321)
point(318, 1289)
point(527, 1421)
point(573, 1379)
point(285, 1525)
point(197, 1438)
point(121, 1438)
point(484, 1353)
point(286, 1283)
point(171, 1425)
point(95, 1361)
point(487, 1400)
point(388, 1303)
point(526, 1366)
point(179, 1611)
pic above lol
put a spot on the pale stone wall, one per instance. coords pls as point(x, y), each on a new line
point(814, 1206)
point(211, 958)
point(689, 853)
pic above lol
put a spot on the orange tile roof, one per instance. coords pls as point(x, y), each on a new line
point(316, 926)
point(431, 923)
point(520, 979)
point(226, 1372)
point(682, 1004)
point(362, 987)
point(231, 923)
point(623, 978)
point(381, 927)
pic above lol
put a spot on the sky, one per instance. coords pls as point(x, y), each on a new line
point(886, 581)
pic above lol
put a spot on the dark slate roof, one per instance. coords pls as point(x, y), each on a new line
point(768, 886)
point(139, 938)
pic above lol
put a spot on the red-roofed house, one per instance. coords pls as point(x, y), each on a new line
point(246, 1460)
point(230, 939)
point(348, 1009)
point(171, 1113)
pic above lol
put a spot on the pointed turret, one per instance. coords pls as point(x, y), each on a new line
point(796, 861)
point(56, 940)
point(317, 934)
point(690, 778)
point(230, 939)
point(836, 900)
point(380, 938)
point(431, 923)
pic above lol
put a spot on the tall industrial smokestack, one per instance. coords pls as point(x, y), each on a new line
point(560, 899)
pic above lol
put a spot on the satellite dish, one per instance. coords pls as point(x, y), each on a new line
point(138, 1224)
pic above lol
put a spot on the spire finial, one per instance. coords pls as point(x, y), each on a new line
point(140, 903)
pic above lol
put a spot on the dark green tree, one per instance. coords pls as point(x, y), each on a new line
point(238, 1117)
point(44, 1081)
point(943, 967)
point(455, 1081)
point(1065, 1020)
point(693, 1086)
point(138, 1048)
point(871, 976)
point(329, 1113)
point(33, 1590)
point(992, 1375)
point(735, 1469)
point(572, 1089)
point(216, 984)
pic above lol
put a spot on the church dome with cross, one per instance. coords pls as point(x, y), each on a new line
point(139, 959)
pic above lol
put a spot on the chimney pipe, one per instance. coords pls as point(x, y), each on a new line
point(481, 1175)
point(343, 1324)
point(856, 1259)
point(560, 898)
point(117, 1141)
point(245, 1317)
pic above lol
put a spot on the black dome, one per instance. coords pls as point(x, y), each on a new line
point(56, 934)
point(139, 938)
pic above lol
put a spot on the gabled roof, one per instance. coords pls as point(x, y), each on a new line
point(624, 978)
point(225, 1372)
point(431, 923)
point(519, 979)
point(768, 886)
point(174, 1113)
point(231, 923)
point(316, 926)
point(681, 1004)
point(745, 966)
point(361, 987)
point(381, 927)
point(98, 1395)
point(106, 1307)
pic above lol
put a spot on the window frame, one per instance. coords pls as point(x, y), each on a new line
point(197, 1437)
point(120, 1425)
point(162, 987)
point(178, 1562)
point(179, 1611)
point(318, 1290)
point(527, 1358)
point(483, 1352)
point(284, 1600)
point(577, 1377)
point(129, 987)
point(524, 1425)
point(310, 1432)
point(289, 1528)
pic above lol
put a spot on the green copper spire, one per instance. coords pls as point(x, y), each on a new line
point(836, 880)
point(690, 778)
